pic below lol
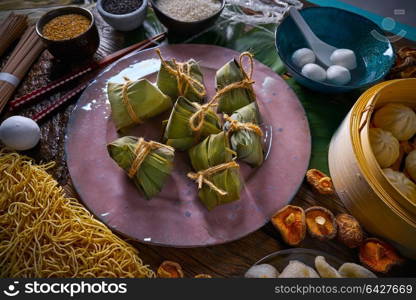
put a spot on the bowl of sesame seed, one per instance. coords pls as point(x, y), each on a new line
point(69, 33)
point(187, 17)
point(123, 15)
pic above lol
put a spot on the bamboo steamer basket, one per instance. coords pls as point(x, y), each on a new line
point(359, 180)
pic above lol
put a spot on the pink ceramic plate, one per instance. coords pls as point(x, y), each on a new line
point(176, 217)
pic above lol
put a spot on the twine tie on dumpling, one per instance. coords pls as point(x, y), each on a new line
point(200, 177)
point(141, 151)
point(182, 72)
point(197, 120)
point(125, 99)
point(236, 126)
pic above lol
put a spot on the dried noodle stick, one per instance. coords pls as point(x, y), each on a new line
point(11, 29)
point(45, 234)
point(18, 64)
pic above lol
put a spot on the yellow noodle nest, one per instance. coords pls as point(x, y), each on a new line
point(45, 234)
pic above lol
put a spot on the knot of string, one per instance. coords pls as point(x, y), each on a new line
point(235, 125)
point(182, 72)
point(197, 119)
point(200, 177)
point(141, 151)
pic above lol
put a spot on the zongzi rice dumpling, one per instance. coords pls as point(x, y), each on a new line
point(184, 79)
point(234, 85)
point(245, 134)
point(179, 132)
point(148, 164)
point(217, 174)
point(133, 102)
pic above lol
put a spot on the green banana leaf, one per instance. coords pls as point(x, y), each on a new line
point(247, 144)
point(146, 100)
point(213, 151)
point(235, 98)
point(179, 134)
point(168, 83)
point(154, 170)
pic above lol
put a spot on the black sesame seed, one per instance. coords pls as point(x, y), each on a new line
point(121, 7)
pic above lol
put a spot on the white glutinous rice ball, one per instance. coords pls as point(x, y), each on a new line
point(314, 72)
point(19, 133)
point(338, 75)
point(345, 58)
point(303, 56)
point(262, 271)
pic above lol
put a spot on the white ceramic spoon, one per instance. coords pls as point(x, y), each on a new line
point(321, 49)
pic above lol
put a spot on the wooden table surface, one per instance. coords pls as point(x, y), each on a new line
point(229, 260)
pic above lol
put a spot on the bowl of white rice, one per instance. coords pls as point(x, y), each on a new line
point(187, 17)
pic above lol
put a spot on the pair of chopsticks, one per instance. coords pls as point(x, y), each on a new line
point(32, 96)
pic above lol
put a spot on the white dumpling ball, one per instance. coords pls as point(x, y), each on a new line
point(402, 183)
point(314, 72)
point(397, 118)
point(19, 133)
point(303, 56)
point(338, 75)
point(386, 147)
point(262, 271)
point(345, 58)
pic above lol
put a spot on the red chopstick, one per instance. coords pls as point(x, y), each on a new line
point(58, 103)
point(16, 103)
point(65, 98)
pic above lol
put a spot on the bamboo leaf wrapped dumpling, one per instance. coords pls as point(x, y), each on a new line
point(234, 85)
point(148, 164)
point(177, 79)
point(179, 132)
point(245, 134)
point(133, 102)
point(217, 174)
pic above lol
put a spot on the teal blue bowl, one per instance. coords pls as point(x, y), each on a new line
point(342, 29)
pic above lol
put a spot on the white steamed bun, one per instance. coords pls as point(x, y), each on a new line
point(397, 118)
point(386, 147)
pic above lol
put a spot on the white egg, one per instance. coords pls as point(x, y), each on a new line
point(345, 58)
point(303, 56)
point(338, 75)
point(19, 133)
point(314, 72)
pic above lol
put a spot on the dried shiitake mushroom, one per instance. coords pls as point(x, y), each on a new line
point(350, 232)
point(378, 255)
point(170, 269)
point(320, 181)
point(290, 221)
point(405, 66)
point(321, 223)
